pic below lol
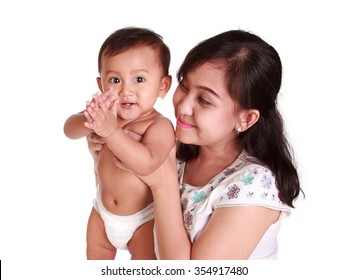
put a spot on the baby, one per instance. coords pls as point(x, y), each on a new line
point(133, 68)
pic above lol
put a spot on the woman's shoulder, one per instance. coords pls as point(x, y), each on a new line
point(248, 182)
point(244, 169)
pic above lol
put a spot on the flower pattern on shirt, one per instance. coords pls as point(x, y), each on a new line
point(227, 172)
point(188, 219)
point(247, 179)
point(263, 195)
point(245, 182)
point(233, 191)
point(266, 181)
point(199, 197)
point(249, 194)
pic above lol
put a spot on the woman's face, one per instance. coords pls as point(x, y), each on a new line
point(204, 110)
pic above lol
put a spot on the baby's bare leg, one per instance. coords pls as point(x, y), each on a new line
point(141, 245)
point(98, 245)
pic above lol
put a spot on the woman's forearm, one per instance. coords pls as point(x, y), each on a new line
point(173, 242)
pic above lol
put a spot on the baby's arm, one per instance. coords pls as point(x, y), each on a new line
point(147, 155)
point(74, 127)
point(140, 157)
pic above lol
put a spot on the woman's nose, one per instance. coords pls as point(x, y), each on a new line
point(185, 106)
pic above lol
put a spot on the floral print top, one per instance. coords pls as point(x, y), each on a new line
point(245, 182)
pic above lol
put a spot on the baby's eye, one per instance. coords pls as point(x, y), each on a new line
point(115, 80)
point(139, 79)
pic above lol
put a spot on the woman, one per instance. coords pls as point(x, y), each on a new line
point(236, 178)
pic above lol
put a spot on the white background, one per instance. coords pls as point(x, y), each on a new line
point(48, 66)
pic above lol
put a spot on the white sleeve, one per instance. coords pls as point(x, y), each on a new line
point(253, 185)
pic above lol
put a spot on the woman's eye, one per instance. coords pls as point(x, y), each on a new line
point(183, 87)
point(115, 80)
point(203, 101)
point(139, 79)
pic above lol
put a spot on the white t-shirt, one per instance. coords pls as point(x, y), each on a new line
point(244, 183)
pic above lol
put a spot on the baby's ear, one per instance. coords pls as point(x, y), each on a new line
point(165, 86)
point(98, 80)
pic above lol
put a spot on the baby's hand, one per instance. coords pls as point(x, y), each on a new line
point(101, 118)
point(86, 114)
point(109, 98)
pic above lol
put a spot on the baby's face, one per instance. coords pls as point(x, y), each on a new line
point(136, 78)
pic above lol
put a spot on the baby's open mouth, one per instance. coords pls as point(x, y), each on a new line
point(127, 105)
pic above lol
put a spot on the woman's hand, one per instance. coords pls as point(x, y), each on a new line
point(166, 173)
point(95, 144)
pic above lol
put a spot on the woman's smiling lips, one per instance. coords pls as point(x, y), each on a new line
point(183, 124)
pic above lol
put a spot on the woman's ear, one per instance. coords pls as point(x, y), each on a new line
point(165, 86)
point(249, 118)
point(98, 80)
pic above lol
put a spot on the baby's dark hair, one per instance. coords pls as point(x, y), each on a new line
point(129, 37)
point(253, 74)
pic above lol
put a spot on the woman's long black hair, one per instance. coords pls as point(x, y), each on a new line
point(253, 74)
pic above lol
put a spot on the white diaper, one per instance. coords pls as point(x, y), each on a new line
point(120, 229)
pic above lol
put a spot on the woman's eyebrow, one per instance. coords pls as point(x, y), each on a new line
point(209, 90)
